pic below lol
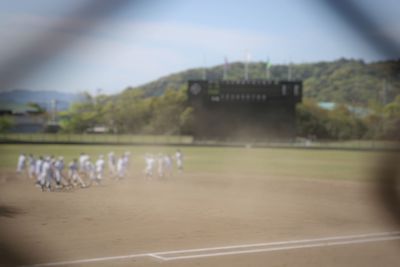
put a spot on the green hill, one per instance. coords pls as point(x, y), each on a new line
point(160, 107)
point(341, 81)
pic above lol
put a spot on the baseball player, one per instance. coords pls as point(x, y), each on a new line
point(121, 167)
point(168, 165)
point(148, 171)
point(179, 160)
point(58, 172)
point(21, 163)
point(82, 162)
point(44, 177)
point(90, 170)
point(99, 168)
point(74, 173)
point(112, 162)
point(31, 167)
point(126, 161)
point(160, 165)
point(38, 168)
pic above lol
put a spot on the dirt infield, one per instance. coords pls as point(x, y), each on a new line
point(194, 210)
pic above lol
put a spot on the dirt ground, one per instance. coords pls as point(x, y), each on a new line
point(193, 210)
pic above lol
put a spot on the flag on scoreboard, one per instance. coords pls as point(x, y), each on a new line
point(267, 69)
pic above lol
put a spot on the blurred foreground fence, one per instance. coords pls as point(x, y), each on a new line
point(113, 139)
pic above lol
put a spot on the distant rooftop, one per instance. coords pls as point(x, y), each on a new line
point(358, 111)
point(327, 105)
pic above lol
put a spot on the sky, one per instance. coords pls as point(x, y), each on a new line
point(75, 46)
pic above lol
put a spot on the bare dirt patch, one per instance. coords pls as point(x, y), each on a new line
point(193, 210)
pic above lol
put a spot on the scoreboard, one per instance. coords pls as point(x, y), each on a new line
point(244, 109)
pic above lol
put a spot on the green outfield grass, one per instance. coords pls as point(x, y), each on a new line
point(97, 138)
point(323, 164)
point(184, 140)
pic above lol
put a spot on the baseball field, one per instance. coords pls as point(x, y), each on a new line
point(229, 207)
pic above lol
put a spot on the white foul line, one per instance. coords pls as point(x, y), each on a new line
point(112, 258)
point(286, 247)
point(242, 249)
point(156, 256)
point(283, 242)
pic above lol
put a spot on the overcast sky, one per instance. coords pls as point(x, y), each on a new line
point(140, 41)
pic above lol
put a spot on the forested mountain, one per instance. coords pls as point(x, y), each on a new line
point(342, 81)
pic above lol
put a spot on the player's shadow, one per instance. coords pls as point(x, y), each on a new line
point(8, 211)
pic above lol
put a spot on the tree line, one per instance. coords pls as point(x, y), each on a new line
point(169, 114)
point(131, 112)
point(343, 123)
point(160, 107)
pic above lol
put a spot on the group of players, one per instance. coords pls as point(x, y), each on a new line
point(48, 171)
